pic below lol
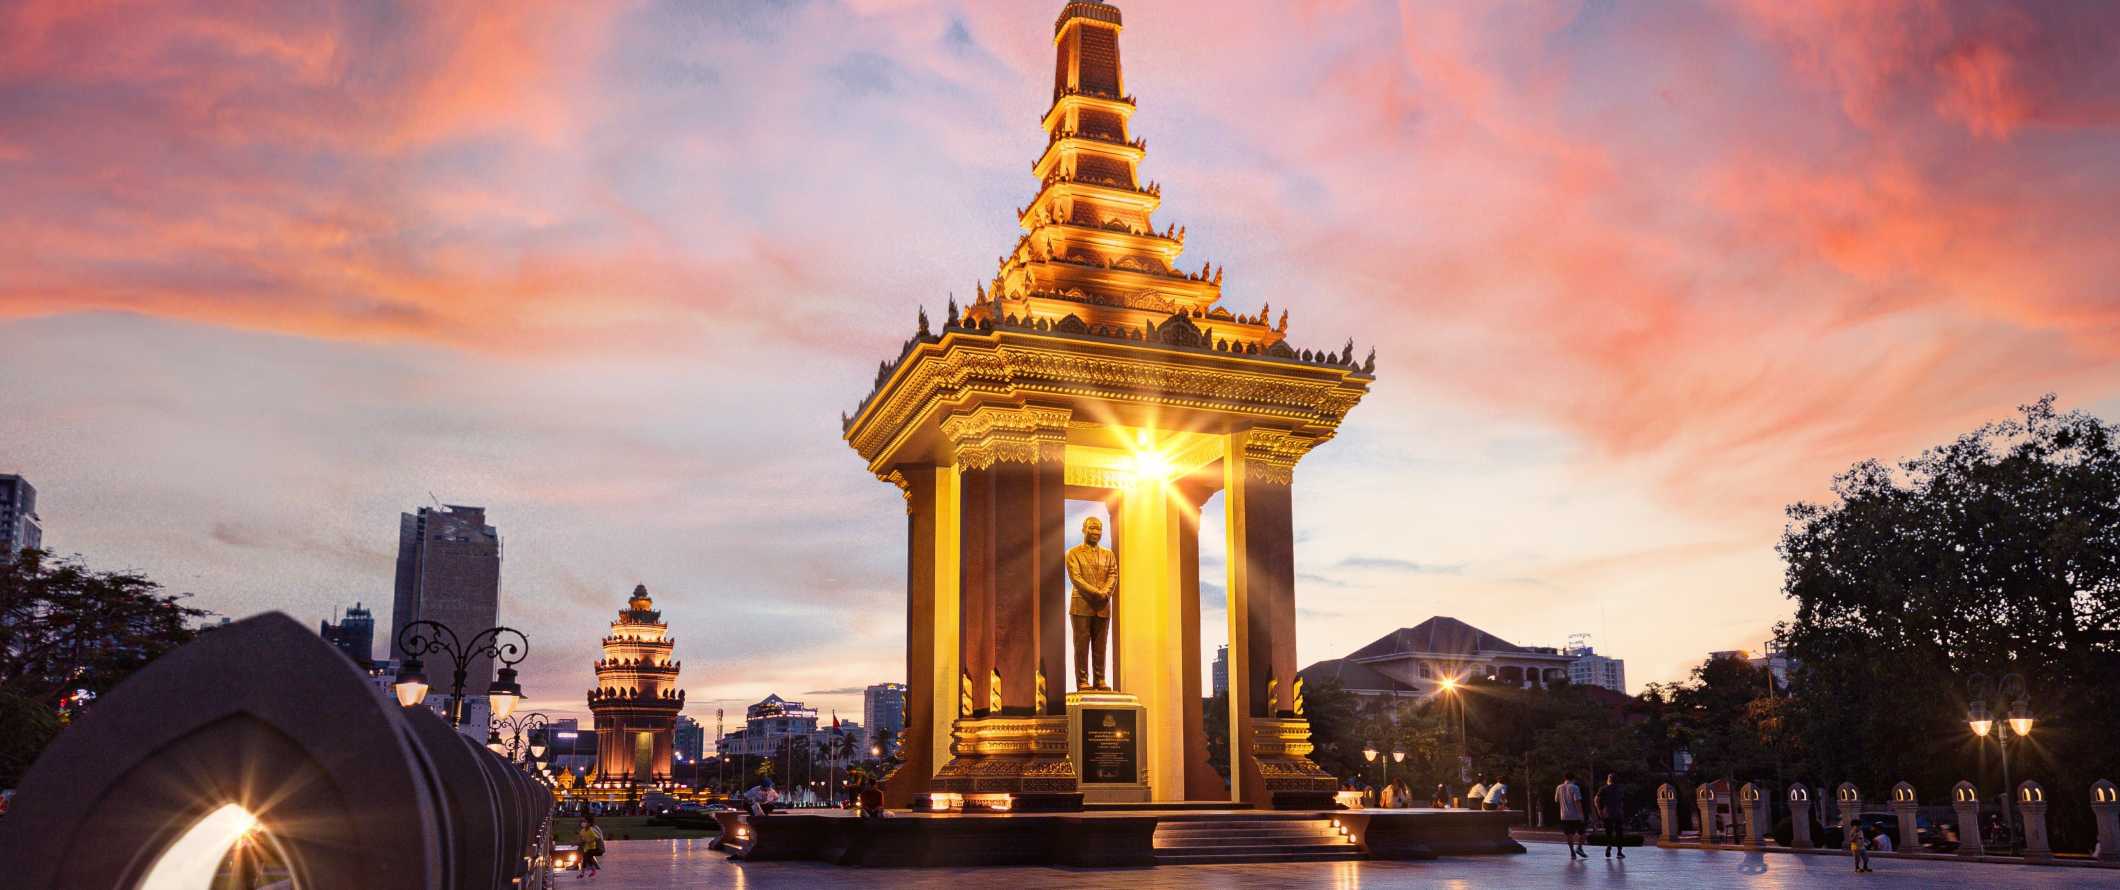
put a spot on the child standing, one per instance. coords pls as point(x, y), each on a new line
point(1859, 844)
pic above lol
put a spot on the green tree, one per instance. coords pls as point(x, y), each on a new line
point(69, 634)
point(25, 728)
point(1214, 723)
point(1335, 731)
point(1997, 552)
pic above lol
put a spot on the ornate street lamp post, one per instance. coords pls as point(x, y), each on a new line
point(522, 745)
point(502, 644)
point(2012, 702)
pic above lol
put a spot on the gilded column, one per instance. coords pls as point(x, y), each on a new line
point(922, 645)
point(1270, 739)
point(1010, 734)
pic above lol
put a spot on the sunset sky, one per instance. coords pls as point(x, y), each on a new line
point(1638, 275)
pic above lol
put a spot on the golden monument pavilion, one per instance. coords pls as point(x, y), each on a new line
point(635, 701)
point(1093, 367)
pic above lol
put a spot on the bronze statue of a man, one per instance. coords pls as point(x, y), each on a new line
point(1094, 572)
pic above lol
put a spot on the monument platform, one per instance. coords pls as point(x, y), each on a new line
point(1132, 837)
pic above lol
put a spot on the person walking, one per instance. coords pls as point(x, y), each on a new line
point(1612, 813)
point(589, 841)
point(1569, 796)
point(1859, 844)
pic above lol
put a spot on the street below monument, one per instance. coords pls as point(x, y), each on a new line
point(642, 865)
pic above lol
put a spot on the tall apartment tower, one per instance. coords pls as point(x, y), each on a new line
point(19, 529)
point(354, 635)
point(448, 570)
point(883, 708)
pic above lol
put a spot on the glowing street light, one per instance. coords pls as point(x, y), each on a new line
point(503, 644)
point(411, 685)
point(2017, 711)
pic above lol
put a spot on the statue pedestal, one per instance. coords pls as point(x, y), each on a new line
point(1104, 739)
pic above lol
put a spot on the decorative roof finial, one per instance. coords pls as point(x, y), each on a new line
point(923, 321)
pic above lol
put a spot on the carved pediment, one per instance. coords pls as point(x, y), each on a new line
point(1179, 330)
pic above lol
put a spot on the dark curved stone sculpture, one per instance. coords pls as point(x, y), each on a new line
point(348, 790)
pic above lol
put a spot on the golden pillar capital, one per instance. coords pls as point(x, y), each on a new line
point(1270, 455)
point(905, 486)
point(991, 434)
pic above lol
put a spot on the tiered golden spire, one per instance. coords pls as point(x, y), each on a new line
point(1090, 247)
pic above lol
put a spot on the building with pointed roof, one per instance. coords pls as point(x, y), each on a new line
point(636, 699)
point(1412, 662)
point(1097, 364)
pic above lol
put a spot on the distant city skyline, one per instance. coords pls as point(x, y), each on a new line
point(1628, 304)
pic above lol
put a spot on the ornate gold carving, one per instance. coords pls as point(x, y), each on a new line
point(1098, 477)
point(905, 487)
point(1039, 705)
point(996, 736)
point(1015, 365)
point(1297, 691)
point(1011, 755)
point(964, 695)
point(993, 693)
point(1273, 696)
point(1282, 747)
point(1270, 455)
point(994, 434)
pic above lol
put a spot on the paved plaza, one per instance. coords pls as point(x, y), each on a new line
point(651, 865)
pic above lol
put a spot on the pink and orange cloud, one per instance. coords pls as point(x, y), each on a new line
point(1705, 254)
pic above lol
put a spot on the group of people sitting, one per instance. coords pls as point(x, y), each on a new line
point(763, 799)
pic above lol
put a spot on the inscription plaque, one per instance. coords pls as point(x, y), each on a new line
point(1111, 746)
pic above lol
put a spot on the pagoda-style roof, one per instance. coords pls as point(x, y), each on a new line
point(1437, 636)
point(640, 608)
point(1354, 676)
point(1093, 306)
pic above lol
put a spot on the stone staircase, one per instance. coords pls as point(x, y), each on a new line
point(1206, 841)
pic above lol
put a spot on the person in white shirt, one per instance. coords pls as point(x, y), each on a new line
point(1570, 798)
point(1498, 796)
point(1883, 843)
point(1476, 796)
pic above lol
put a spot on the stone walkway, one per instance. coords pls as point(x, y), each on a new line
point(651, 865)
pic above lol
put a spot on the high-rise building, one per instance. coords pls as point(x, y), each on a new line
point(449, 571)
point(691, 739)
point(1592, 669)
point(354, 634)
point(1221, 670)
point(883, 709)
point(20, 528)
